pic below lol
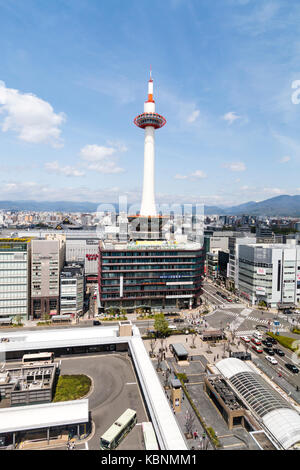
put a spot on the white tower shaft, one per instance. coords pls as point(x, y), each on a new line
point(149, 120)
point(148, 207)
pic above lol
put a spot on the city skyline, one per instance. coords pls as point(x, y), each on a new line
point(223, 78)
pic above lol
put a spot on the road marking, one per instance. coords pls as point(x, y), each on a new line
point(86, 446)
point(131, 383)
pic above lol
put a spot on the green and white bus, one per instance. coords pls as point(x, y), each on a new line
point(114, 435)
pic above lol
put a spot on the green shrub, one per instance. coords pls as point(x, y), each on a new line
point(72, 387)
point(285, 341)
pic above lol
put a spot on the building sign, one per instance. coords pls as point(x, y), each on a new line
point(261, 271)
point(92, 257)
point(121, 285)
point(260, 291)
point(174, 276)
point(179, 283)
point(187, 296)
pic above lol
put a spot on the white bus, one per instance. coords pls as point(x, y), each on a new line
point(149, 436)
point(40, 358)
point(114, 435)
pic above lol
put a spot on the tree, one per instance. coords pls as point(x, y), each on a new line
point(123, 312)
point(161, 325)
point(159, 358)
point(18, 319)
point(189, 422)
point(152, 345)
point(194, 335)
point(167, 375)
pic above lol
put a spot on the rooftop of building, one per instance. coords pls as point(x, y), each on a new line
point(146, 245)
point(274, 412)
point(28, 378)
point(72, 270)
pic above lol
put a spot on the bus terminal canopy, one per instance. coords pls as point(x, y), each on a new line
point(24, 418)
point(180, 351)
point(213, 335)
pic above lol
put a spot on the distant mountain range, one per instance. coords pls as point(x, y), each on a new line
point(284, 205)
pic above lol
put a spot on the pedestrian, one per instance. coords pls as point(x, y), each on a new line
point(186, 340)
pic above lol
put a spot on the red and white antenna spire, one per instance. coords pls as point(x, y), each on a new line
point(150, 87)
point(150, 121)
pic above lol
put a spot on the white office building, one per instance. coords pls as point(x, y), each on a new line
point(270, 273)
point(14, 278)
point(72, 289)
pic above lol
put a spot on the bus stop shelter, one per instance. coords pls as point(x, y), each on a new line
point(179, 351)
point(213, 335)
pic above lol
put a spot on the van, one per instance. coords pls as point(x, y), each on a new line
point(257, 335)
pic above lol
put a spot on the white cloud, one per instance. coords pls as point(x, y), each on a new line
point(193, 116)
point(195, 174)
point(230, 117)
point(274, 191)
point(32, 118)
point(67, 170)
point(285, 159)
point(102, 159)
point(199, 174)
point(235, 166)
point(180, 177)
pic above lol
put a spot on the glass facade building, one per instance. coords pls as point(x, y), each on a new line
point(138, 274)
point(14, 277)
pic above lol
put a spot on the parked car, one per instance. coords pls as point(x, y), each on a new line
point(269, 351)
point(256, 341)
point(228, 299)
point(271, 340)
point(287, 312)
point(292, 368)
point(245, 339)
point(267, 343)
point(178, 320)
point(272, 360)
point(96, 322)
point(278, 351)
point(256, 348)
point(172, 327)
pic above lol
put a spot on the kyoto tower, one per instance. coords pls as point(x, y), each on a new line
point(149, 121)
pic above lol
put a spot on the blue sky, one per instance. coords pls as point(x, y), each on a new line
point(73, 75)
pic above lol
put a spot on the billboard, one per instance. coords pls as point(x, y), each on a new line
point(260, 291)
point(261, 271)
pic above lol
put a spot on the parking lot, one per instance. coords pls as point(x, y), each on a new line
point(114, 389)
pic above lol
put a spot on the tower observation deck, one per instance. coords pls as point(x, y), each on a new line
point(149, 120)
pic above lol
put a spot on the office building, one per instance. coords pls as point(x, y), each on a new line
point(47, 260)
point(84, 251)
point(15, 278)
point(157, 274)
point(270, 273)
point(72, 289)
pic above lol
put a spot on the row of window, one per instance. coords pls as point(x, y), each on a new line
point(146, 267)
